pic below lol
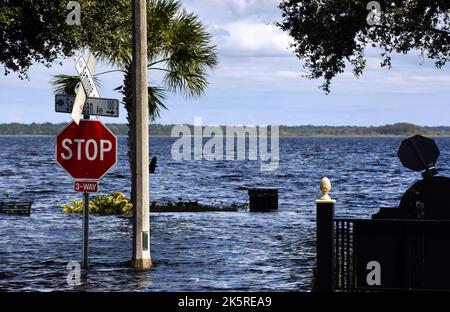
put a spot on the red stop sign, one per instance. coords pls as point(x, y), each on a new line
point(86, 151)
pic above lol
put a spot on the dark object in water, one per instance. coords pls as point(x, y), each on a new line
point(263, 200)
point(152, 166)
point(190, 206)
point(16, 207)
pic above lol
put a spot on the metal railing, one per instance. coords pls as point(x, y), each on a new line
point(344, 279)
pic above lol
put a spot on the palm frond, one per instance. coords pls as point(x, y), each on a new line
point(156, 98)
point(186, 53)
point(119, 57)
point(190, 83)
point(67, 84)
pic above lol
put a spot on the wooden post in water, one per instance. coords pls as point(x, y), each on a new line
point(141, 180)
point(325, 239)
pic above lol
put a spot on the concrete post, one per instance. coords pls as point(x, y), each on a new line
point(325, 240)
point(141, 214)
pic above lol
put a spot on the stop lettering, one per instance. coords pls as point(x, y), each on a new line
point(86, 151)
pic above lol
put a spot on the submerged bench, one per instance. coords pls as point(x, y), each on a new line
point(16, 207)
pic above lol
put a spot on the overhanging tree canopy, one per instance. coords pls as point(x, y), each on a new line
point(35, 31)
point(328, 34)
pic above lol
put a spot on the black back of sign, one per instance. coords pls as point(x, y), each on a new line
point(418, 153)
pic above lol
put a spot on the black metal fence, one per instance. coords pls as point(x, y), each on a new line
point(344, 279)
point(413, 254)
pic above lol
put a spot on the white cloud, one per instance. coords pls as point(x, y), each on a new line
point(399, 80)
point(237, 71)
point(252, 39)
point(219, 31)
point(288, 74)
point(243, 27)
point(230, 10)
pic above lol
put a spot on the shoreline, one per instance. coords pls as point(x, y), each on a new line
point(281, 136)
point(283, 131)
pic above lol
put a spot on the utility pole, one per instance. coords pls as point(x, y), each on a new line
point(141, 179)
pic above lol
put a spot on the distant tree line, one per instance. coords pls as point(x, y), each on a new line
point(400, 129)
point(54, 128)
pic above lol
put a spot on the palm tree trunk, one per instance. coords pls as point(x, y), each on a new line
point(128, 103)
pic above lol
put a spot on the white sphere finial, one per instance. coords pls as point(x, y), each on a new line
point(325, 188)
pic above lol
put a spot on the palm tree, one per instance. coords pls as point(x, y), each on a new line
point(178, 46)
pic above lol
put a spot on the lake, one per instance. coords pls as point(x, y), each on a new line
point(236, 251)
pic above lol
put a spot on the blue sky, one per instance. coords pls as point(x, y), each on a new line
point(258, 82)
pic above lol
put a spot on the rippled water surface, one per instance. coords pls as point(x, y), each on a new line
point(193, 252)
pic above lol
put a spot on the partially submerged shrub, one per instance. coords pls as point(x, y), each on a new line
point(113, 204)
point(119, 204)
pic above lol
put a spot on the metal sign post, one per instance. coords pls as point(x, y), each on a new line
point(85, 230)
point(85, 252)
point(88, 86)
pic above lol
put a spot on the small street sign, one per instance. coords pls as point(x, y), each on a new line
point(85, 186)
point(80, 99)
point(92, 106)
point(87, 80)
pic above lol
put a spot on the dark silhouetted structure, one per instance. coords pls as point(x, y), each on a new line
point(402, 248)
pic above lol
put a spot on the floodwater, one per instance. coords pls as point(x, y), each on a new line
point(239, 251)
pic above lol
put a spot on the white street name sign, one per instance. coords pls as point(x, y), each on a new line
point(87, 80)
point(92, 107)
point(80, 99)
